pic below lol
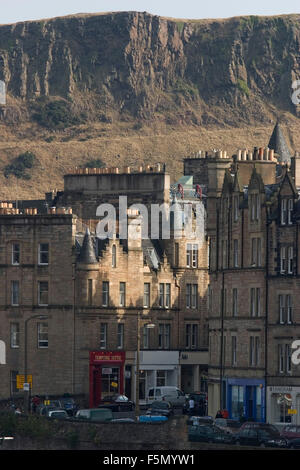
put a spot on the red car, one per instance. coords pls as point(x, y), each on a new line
point(290, 431)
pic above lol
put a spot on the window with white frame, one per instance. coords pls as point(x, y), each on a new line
point(235, 208)
point(191, 295)
point(285, 308)
point(164, 338)
point(254, 207)
point(122, 294)
point(14, 335)
point(191, 335)
point(146, 337)
point(192, 255)
point(42, 332)
point(43, 254)
point(234, 302)
point(43, 293)
point(235, 253)
point(290, 211)
point(120, 336)
point(287, 259)
point(255, 252)
point(105, 294)
point(103, 335)
point(15, 292)
point(15, 254)
point(233, 350)
point(284, 358)
point(146, 295)
point(255, 301)
point(254, 350)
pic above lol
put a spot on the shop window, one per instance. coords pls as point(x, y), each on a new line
point(161, 378)
point(281, 404)
point(237, 400)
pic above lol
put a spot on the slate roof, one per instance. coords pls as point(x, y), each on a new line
point(278, 144)
point(87, 252)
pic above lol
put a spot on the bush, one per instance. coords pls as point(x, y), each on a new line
point(97, 163)
point(19, 166)
point(243, 87)
point(55, 115)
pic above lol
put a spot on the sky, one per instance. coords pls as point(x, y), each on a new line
point(12, 11)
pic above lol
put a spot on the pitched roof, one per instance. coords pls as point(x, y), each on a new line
point(278, 144)
point(87, 253)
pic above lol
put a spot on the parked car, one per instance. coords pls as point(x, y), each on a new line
point(58, 414)
point(171, 394)
point(293, 443)
point(209, 433)
point(100, 415)
point(290, 431)
point(262, 436)
point(152, 418)
point(231, 425)
point(44, 410)
point(197, 420)
point(68, 404)
point(200, 399)
point(258, 424)
point(160, 407)
point(117, 403)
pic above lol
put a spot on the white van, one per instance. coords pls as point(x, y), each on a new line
point(171, 394)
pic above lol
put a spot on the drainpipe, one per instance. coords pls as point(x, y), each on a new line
point(221, 347)
point(267, 307)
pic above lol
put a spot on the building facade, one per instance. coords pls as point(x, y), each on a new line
point(73, 304)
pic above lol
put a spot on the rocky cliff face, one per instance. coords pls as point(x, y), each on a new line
point(107, 66)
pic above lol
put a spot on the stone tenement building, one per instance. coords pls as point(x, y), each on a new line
point(71, 304)
point(253, 227)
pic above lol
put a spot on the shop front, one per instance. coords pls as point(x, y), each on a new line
point(246, 398)
point(106, 375)
point(283, 405)
point(158, 369)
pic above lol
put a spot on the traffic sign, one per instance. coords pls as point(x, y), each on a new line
point(21, 381)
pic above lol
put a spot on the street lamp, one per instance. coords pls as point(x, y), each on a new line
point(149, 325)
point(26, 391)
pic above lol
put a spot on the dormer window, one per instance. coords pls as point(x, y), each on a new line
point(286, 213)
point(290, 210)
point(255, 206)
point(235, 208)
